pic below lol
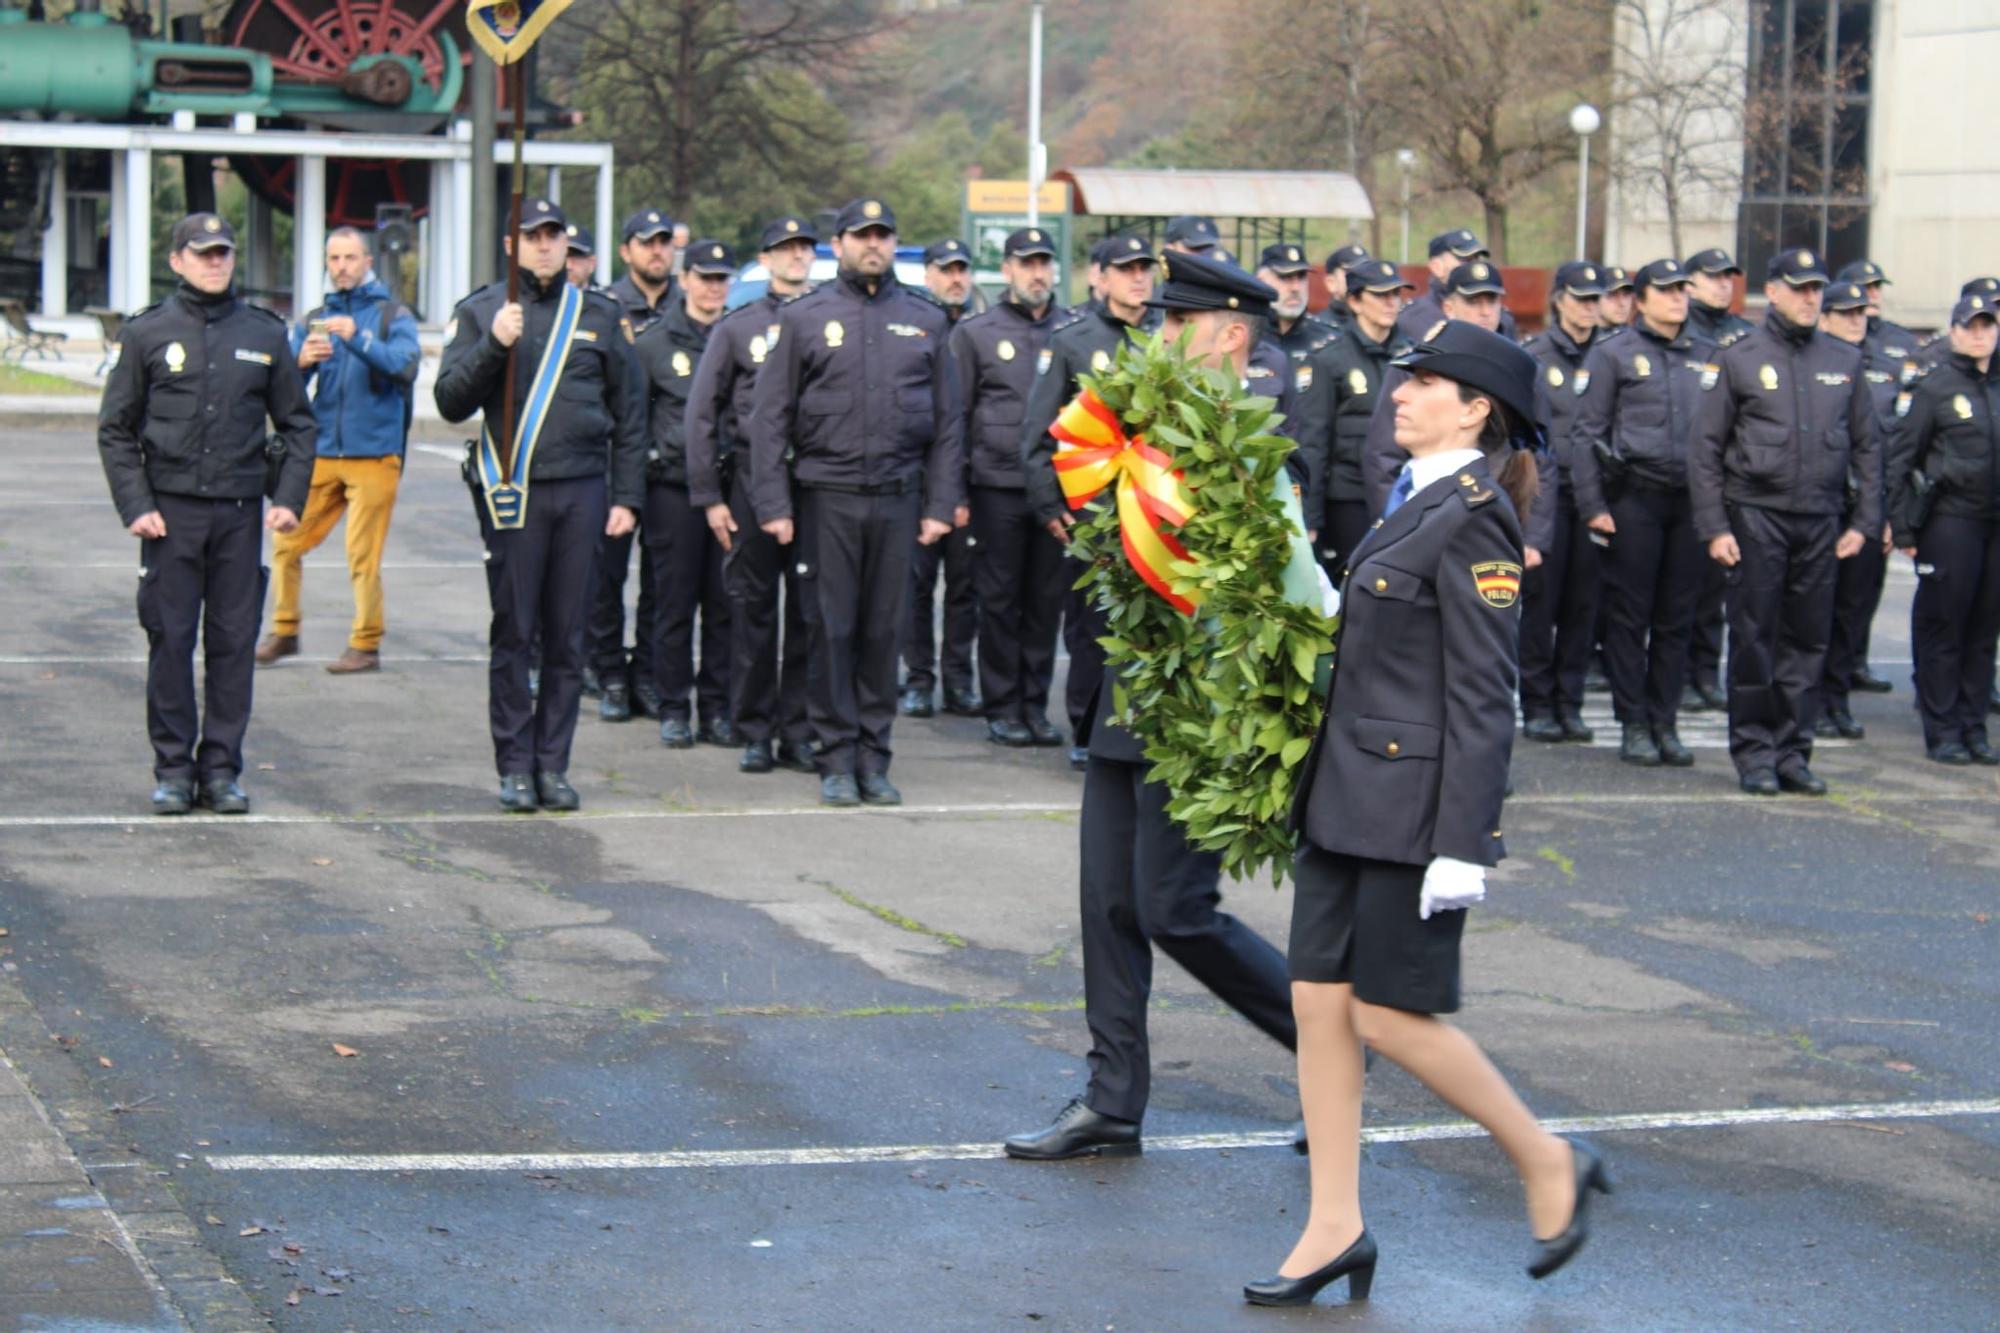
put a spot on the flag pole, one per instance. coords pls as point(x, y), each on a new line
point(519, 101)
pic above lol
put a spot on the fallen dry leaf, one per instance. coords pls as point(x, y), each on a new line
point(344, 1052)
point(251, 1231)
point(270, 768)
point(322, 860)
point(104, 1060)
point(1899, 1066)
point(212, 1220)
point(293, 1299)
point(3, 930)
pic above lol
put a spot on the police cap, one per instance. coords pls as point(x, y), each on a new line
point(1988, 287)
point(1284, 258)
point(1844, 296)
point(1200, 282)
point(1864, 271)
point(1346, 257)
point(1970, 308)
point(1474, 279)
point(1460, 242)
point(204, 231)
point(1027, 241)
point(950, 250)
point(1485, 361)
point(1661, 273)
point(1375, 275)
point(780, 230)
point(1796, 267)
point(861, 214)
point(1617, 279)
point(539, 213)
point(581, 242)
point(710, 256)
point(1122, 250)
point(1580, 277)
point(646, 224)
point(1192, 230)
point(1713, 262)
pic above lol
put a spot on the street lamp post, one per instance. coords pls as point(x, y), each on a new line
point(1406, 158)
point(1584, 120)
point(1037, 155)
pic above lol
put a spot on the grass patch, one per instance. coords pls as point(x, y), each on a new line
point(13, 379)
point(891, 916)
point(1555, 857)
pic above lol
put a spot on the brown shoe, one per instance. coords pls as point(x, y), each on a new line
point(276, 646)
point(354, 660)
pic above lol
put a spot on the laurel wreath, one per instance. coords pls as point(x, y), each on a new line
point(1222, 700)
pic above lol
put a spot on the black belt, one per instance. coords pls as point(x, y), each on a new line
point(900, 486)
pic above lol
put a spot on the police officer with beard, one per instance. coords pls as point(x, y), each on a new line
point(1785, 425)
point(860, 392)
point(767, 688)
point(1352, 371)
point(1087, 343)
point(1291, 344)
point(1019, 572)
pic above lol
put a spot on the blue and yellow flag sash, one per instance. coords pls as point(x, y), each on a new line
point(507, 496)
point(505, 29)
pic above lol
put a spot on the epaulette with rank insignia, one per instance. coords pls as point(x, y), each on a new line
point(267, 313)
point(1470, 491)
point(143, 313)
point(1068, 317)
point(1730, 338)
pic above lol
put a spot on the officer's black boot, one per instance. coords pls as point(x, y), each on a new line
point(1574, 728)
point(1639, 747)
point(616, 704)
point(1673, 752)
point(1545, 729)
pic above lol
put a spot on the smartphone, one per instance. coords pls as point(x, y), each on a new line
point(318, 327)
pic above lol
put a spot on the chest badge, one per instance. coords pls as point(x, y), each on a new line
point(1302, 378)
point(1100, 360)
point(1042, 360)
point(254, 357)
point(1642, 367)
point(1709, 375)
point(682, 366)
point(1961, 406)
point(1498, 583)
point(1903, 403)
point(1357, 381)
point(1004, 350)
point(1768, 377)
point(758, 349)
point(175, 356)
point(1579, 382)
point(835, 333)
point(1555, 377)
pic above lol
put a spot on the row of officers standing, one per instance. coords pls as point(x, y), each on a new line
point(798, 471)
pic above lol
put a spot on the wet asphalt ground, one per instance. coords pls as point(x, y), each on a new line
point(636, 1052)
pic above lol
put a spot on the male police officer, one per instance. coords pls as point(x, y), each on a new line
point(767, 689)
point(1353, 368)
point(1896, 342)
point(181, 435)
point(1086, 343)
point(1449, 251)
point(1019, 570)
point(1337, 265)
point(646, 291)
point(948, 279)
point(582, 262)
point(579, 414)
point(1711, 290)
point(1192, 234)
point(860, 390)
point(1785, 424)
point(1141, 883)
point(686, 563)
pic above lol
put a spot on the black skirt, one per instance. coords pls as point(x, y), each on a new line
point(1355, 921)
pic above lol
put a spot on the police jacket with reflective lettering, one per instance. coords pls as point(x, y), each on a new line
point(596, 423)
point(720, 400)
point(184, 408)
point(669, 350)
point(1951, 434)
point(1642, 394)
point(861, 390)
point(996, 354)
point(1083, 344)
point(1786, 421)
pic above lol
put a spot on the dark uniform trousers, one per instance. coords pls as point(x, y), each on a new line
point(767, 692)
point(1346, 525)
point(856, 551)
point(1559, 601)
point(1780, 612)
point(607, 611)
point(205, 576)
point(1019, 577)
point(1857, 592)
point(1652, 578)
point(1083, 625)
point(1142, 884)
point(539, 576)
point(1711, 615)
point(956, 556)
point(1954, 622)
point(685, 562)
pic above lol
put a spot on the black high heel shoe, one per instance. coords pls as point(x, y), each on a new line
point(1356, 1263)
point(1553, 1253)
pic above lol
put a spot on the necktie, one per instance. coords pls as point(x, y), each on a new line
point(1406, 482)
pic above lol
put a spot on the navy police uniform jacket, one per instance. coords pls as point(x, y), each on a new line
point(184, 408)
point(1638, 406)
point(1411, 760)
point(597, 423)
point(996, 354)
point(719, 401)
point(668, 351)
point(1561, 357)
point(1078, 346)
point(1950, 433)
point(1352, 371)
point(861, 390)
point(638, 310)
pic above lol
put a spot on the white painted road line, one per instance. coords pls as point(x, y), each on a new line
point(973, 1152)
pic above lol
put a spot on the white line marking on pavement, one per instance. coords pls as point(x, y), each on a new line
point(963, 1152)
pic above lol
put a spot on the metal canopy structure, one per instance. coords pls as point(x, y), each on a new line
point(448, 266)
point(1260, 202)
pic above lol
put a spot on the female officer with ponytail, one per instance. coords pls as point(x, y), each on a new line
point(1399, 806)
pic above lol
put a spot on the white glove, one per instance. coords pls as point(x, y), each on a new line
point(1450, 885)
point(1329, 596)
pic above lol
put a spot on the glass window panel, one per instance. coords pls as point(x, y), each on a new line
point(1805, 173)
point(1854, 46)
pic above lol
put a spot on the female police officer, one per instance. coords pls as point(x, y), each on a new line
point(1400, 806)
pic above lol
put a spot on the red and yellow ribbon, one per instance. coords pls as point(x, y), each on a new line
point(1094, 452)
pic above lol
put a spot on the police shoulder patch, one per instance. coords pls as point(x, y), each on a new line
point(625, 327)
point(1498, 582)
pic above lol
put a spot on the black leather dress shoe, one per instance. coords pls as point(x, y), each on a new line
point(1868, 682)
point(593, 688)
point(1551, 1254)
point(517, 794)
point(756, 758)
point(1824, 729)
point(796, 756)
point(615, 705)
point(1006, 731)
point(1077, 1131)
point(1844, 725)
point(1950, 752)
point(1673, 752)
point(721, 732)
point(1639, 747)
point(1800, 781)
point(1041, 731)
point(962, 703)
point(876, 789)
point(839, 789)
point(1759, 782)
point(225, 797)
point(1356, 1263)
point(1574, 728)
point(555, 793)
point(646, 701)
point(1982, 751)
point(174, 796)
point(1544, 729)
point(917, 703)
point(1079, 757)
point(675, 734)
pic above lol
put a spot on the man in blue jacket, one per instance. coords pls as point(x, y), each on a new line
point(360, 357)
